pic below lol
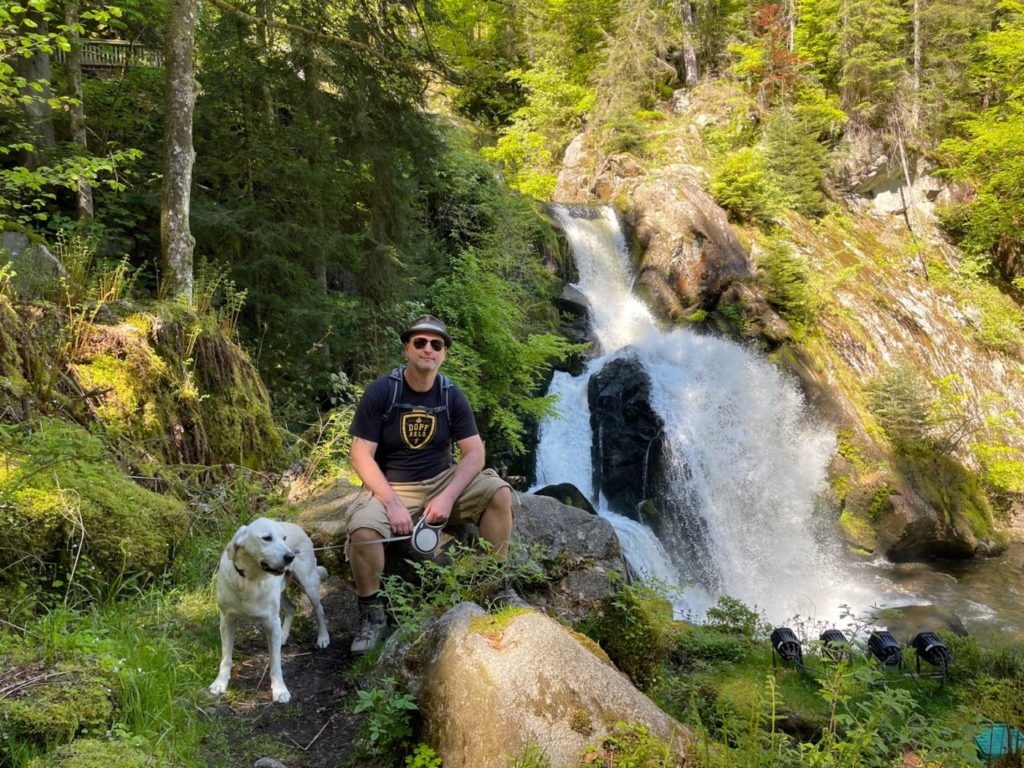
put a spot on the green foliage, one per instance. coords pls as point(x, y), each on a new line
point(900, 401)
point(423, 756)
point(633, 626)
point(96, 753)
point(872, 40)
point(796, 161)
point(784, 276)
point(388, 728)
point(530, 146)
point(990, 154)
point(817, 38)
point(470, 573)
point(731, 615)
point(740, 184)
point(631, 745)
point(532, 756)
point(32, 172)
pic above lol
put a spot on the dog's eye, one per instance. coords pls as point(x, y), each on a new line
point(268, 537)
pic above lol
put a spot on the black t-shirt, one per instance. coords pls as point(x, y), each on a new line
point(416, 442)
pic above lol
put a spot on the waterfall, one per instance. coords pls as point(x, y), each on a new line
point(746, 464)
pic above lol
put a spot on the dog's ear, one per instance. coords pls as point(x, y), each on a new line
point(235, 541)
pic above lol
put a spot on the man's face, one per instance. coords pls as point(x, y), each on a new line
point(425, 351)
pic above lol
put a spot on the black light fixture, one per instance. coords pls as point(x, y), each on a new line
point(930, 648)
point(784, 643)
point(883, 646)
point(835, 645)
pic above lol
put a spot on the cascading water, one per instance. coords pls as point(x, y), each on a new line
point(744, 464)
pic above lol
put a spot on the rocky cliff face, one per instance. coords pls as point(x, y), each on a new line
point(885, 296)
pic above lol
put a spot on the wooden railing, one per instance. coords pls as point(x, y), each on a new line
point(115, 54)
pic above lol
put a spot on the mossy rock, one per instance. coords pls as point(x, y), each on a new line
point(70, 514)
point(13, 385)
point(95, 753)
point(173, 381)
point(953, 491)
point(67, 700)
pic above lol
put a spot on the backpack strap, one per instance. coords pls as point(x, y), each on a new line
point(396, 380)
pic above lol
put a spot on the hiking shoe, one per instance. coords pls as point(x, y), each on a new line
point(507, 597)
point(373, 627)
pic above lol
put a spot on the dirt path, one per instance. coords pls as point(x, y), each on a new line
point(315, 729)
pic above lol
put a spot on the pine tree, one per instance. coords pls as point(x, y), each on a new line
point(874, 41)
point(796, 161)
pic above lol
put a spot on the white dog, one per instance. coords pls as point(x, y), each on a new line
point(261, 560)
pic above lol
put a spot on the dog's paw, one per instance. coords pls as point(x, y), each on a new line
point(323, 640)
point(218, 686)
point(281, 695)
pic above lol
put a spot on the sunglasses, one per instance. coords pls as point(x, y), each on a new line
point(420, 342)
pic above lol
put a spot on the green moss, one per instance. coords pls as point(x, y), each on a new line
point(493, 624)
point(68, 700)
point(95, 753)
point(951, 489)
point(857, 531)
point(634, 627)
point(579, 721)
point(83, 520)
point(175, 383)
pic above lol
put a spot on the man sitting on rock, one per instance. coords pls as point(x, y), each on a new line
point(402, 437)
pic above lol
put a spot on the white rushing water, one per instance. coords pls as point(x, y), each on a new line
point(744, 456)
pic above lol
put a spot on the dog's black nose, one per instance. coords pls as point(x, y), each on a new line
point(289, 557)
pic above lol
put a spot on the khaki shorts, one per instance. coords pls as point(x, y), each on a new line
point(367, 512)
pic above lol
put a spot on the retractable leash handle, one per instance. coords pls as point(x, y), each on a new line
point(423, 539)
point(426, 537)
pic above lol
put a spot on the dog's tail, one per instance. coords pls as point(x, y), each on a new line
point(322, 571)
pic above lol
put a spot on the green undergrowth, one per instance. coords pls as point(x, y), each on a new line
point(748, 707)
point(120, 678)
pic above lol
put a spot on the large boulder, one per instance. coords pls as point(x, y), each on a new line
point(36, 270)
point(691, 254)
point(489, 687)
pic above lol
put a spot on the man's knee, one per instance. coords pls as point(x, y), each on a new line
point(502, 500)
point(499, 505)
point(363, 534)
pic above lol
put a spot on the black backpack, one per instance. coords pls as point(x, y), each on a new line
point(396, 380)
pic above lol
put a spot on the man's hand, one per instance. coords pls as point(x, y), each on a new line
point(398, 517)
point(438, 510)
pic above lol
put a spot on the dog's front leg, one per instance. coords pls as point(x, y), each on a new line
point(227, 644)
point(272, 629)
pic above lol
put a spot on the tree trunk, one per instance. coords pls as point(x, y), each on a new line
point(915, 109)
point(78, 134)
point(692, 73)
point(176, 241)
point(35, 69)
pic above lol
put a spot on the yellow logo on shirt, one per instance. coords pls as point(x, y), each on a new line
point(417, 428)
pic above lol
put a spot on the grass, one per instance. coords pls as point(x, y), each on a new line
point(156, 647)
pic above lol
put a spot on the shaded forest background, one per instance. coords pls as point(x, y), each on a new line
point(358, 163)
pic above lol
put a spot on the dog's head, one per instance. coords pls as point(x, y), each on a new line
point(260, 546)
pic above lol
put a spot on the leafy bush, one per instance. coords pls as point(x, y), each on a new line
point(634, 627)
point(731, 615)
point(388, 728)
point(470, 573)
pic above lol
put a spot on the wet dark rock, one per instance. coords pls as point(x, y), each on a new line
point(569, 494)
point(627, 433)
